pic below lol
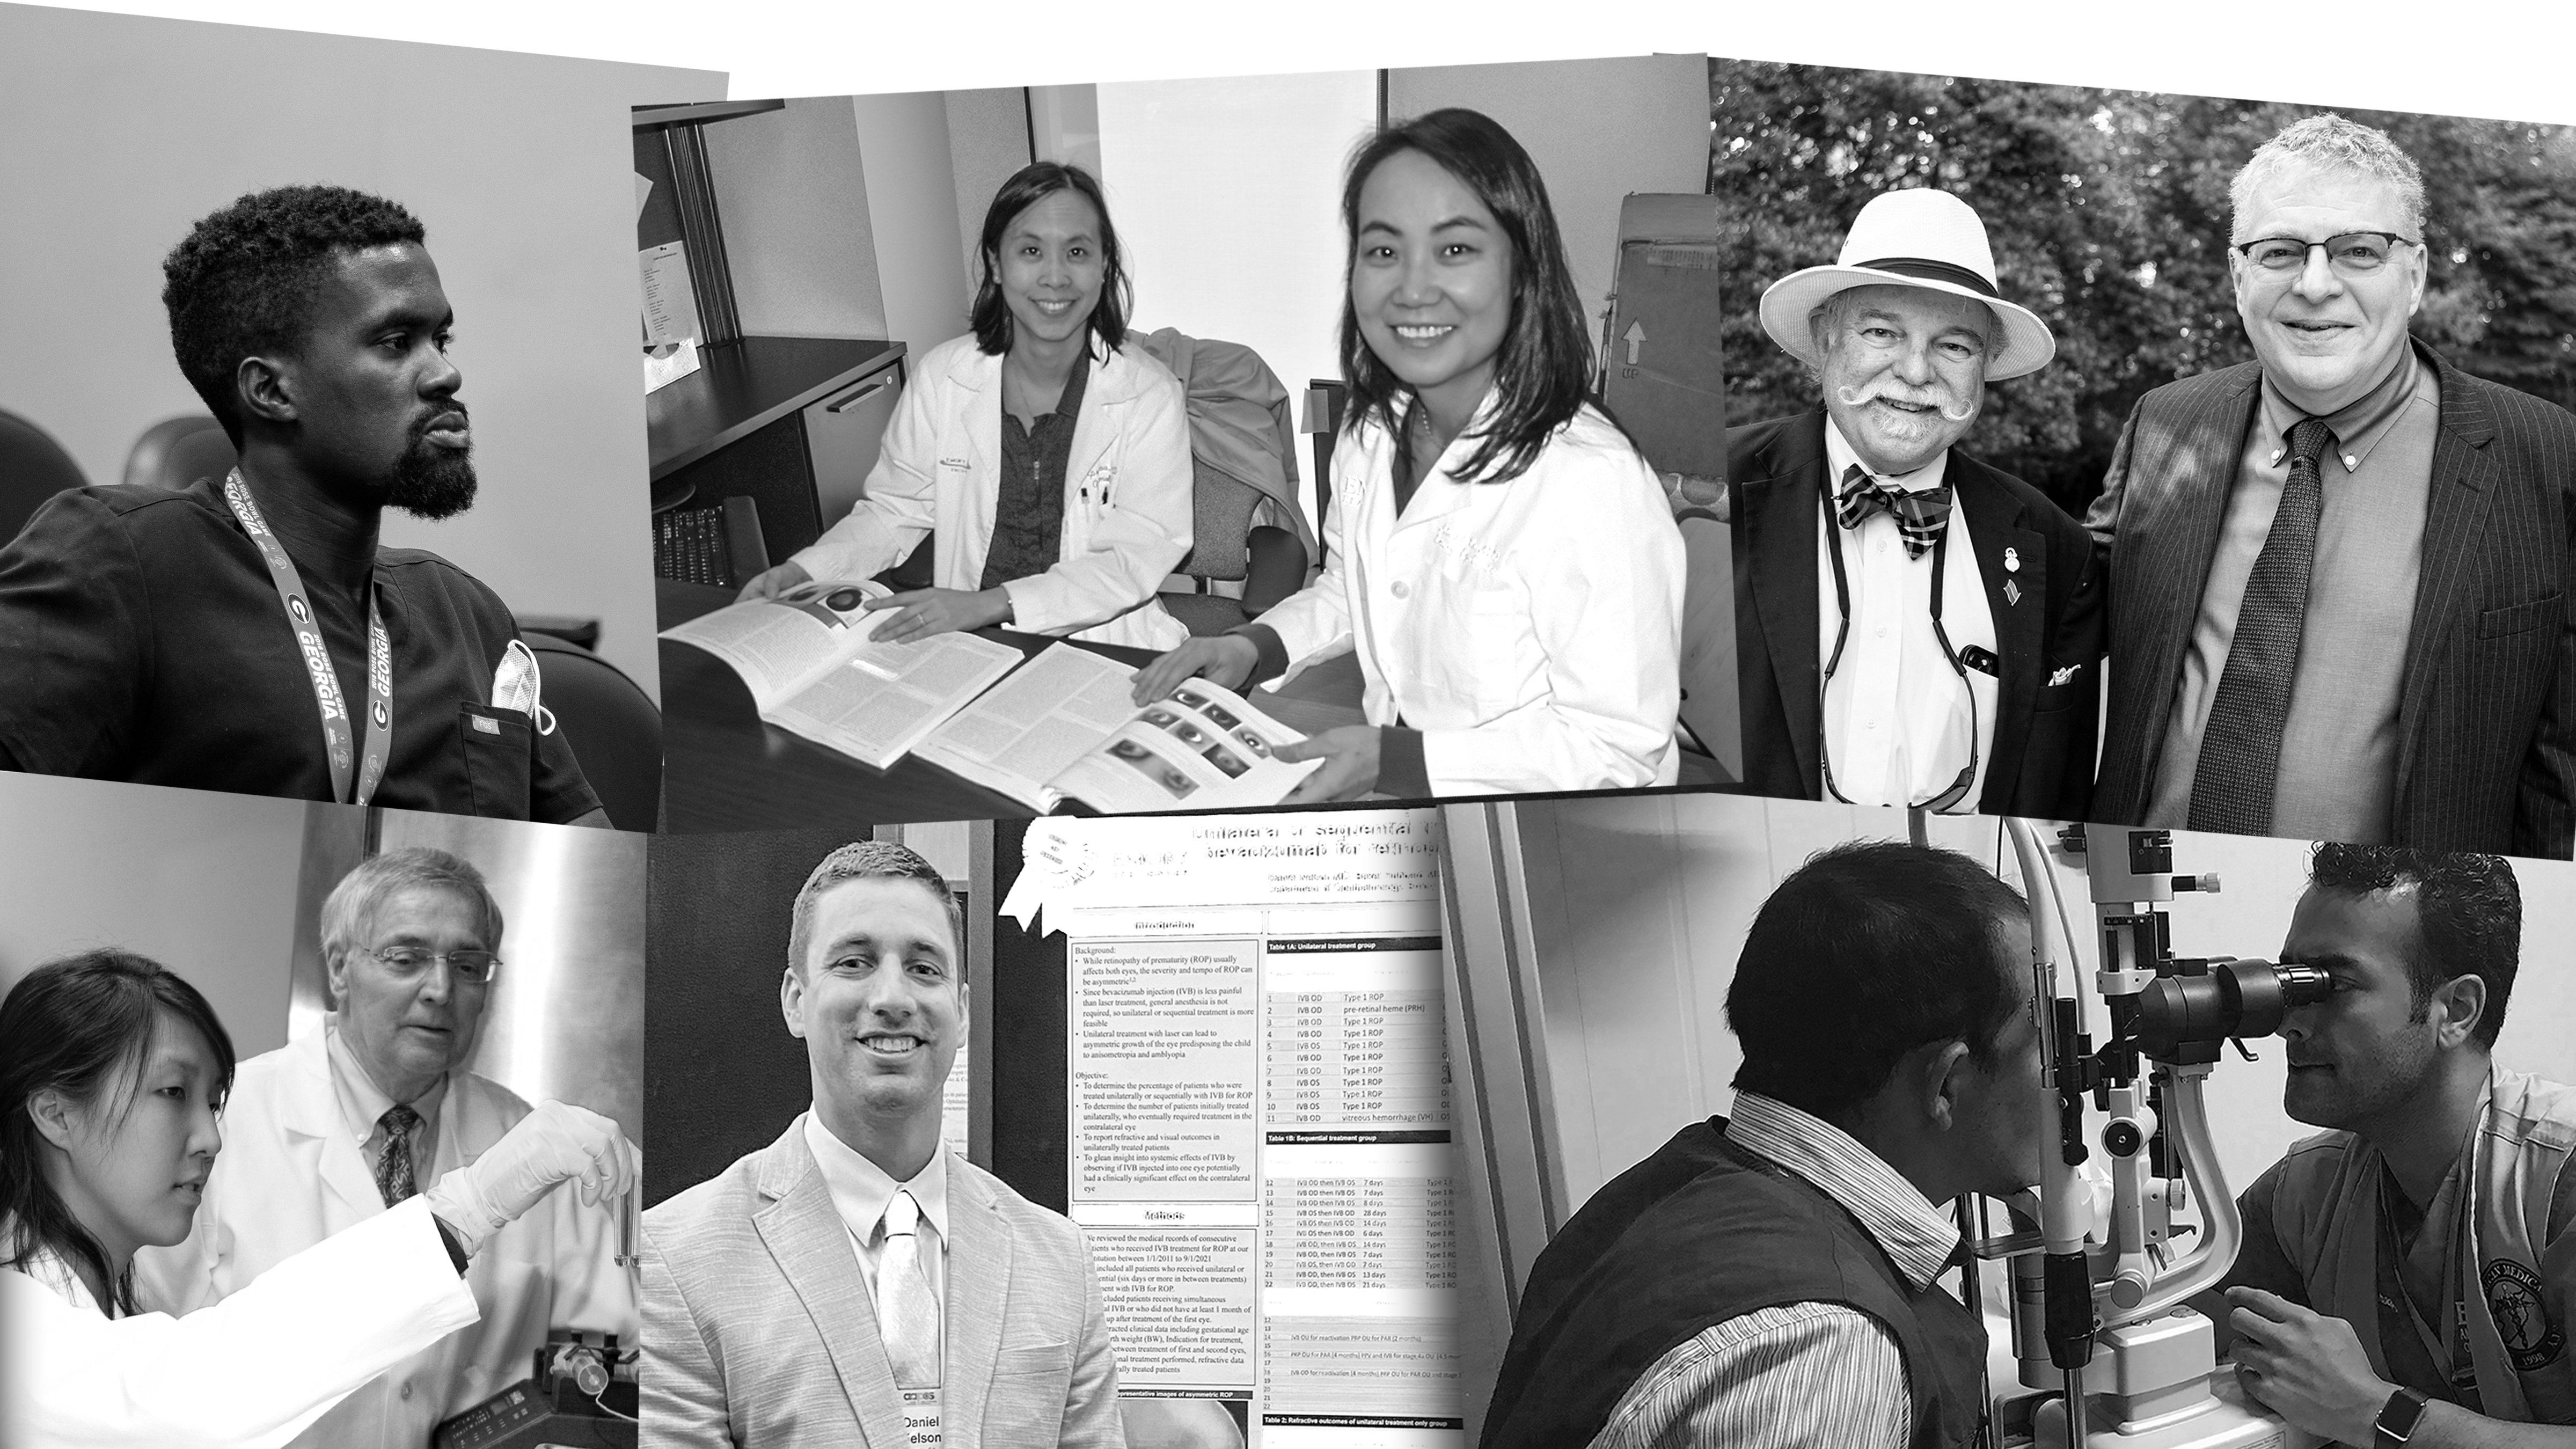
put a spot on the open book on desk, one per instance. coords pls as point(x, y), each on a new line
point(813, 670)
point(1064, 729)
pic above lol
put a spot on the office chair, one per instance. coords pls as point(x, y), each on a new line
point(1228, 547)
point(176, 452)
point(614, 729)
point(33, 468)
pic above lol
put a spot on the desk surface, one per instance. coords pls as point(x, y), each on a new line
point(745, 386)
point(724, 768)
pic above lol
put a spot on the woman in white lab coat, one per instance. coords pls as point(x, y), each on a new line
point(113, 1073)
point(1079, 535)
point(1497, 552)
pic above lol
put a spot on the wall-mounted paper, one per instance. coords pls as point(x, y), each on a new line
point(670, 301)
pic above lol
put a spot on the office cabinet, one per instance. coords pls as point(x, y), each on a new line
point(843, 434)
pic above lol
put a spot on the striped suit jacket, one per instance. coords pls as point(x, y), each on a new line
point(2486, 722)
point(759, 1331)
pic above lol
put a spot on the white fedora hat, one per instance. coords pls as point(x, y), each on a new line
point(1911, 238)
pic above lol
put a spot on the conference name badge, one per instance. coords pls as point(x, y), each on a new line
point(921, 1418)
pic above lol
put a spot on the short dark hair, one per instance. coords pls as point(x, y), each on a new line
point(1867, 951)
point(1546, 360)
point(1027, 187)
point(2468, 916)
point(78, 1026)
point(244, 278)
point(870, 860)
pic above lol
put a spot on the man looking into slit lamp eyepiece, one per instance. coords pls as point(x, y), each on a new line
point(2440, 1193)
point(1775, 1278)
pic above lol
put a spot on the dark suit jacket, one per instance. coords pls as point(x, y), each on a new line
point(2039, 758)
point(2486, 720)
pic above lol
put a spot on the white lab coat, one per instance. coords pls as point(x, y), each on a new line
point(1531, 629)
point(250, 1372)
point(1127, 510)
point(292, 1175)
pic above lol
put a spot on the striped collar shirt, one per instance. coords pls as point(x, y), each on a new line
point(1918, 1236)
point(1799, 1374)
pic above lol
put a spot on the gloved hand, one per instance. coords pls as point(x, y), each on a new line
point(556, 1143)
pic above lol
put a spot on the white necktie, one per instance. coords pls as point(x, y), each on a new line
point(907, 1314)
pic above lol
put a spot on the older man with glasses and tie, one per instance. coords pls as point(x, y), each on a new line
point(855, 1283)
point(375, 1107)
point(1913, 627)
point(2341, 568)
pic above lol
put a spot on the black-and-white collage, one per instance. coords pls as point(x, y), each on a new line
point(1454, 751)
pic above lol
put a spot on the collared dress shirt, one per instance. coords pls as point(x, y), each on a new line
point(2338, 770)
point(364, 1105)
point(860, 1191)
point(1897, 723)
point(1801, 1374)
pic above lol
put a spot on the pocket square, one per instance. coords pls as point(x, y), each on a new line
point(2064, 676)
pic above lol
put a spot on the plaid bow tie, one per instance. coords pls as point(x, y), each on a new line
point(1919, 516)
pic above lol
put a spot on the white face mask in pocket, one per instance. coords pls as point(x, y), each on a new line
point(515, 686)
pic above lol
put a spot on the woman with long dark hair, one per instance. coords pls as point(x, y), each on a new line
point(1050, 454)
point(1499, 555)
point(113, 1073)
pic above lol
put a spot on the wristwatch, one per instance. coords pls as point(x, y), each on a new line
point(2397, 1419)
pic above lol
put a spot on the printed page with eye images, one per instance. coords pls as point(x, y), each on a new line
point(813, 669)
point(1257, 1136)
point(1064, 728)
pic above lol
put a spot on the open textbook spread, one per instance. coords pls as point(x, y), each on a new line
point(1063, 728)
point(1060, 727)
point(813, 670)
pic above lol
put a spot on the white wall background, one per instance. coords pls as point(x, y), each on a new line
point(202, 882)
point(1227, 195)
point(1598, 129)
point(792, 193)
point(1640, 906)
point(123, 131)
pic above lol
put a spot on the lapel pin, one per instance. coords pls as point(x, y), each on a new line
point(2012, 592)
point(2012, 561)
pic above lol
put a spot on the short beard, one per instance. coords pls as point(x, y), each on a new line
point(431, 482)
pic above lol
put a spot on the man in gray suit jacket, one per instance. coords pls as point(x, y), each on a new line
point(853, 1283)
point(2341, 570)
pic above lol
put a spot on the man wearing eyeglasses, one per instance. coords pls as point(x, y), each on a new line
point(2342, 567)
point(373, 1106)
point(1913, 627)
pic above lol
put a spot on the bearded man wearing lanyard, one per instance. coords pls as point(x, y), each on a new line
point(1912, 626)
point(2409, 1276)
point(246, 632)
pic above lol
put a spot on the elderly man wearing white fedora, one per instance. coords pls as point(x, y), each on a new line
point(1913, 627)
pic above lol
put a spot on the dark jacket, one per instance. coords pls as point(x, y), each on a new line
point(2486, 720)
point(2040, 755)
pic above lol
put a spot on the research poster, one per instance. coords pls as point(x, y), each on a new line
point(1258, 1113)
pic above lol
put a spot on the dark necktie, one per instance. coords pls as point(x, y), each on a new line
point(2240, 748)
point(1919, 516)
point(393, 1165)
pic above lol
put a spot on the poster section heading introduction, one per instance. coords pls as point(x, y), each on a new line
point(1258, 1133)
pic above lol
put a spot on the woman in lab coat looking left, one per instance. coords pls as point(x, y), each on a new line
point(113, 1073)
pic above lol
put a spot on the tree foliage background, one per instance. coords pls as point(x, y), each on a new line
point(2108, 214)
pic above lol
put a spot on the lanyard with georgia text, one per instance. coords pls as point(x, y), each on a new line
point(317, 658)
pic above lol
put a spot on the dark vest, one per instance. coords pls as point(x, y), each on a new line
point(1699, 1233)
